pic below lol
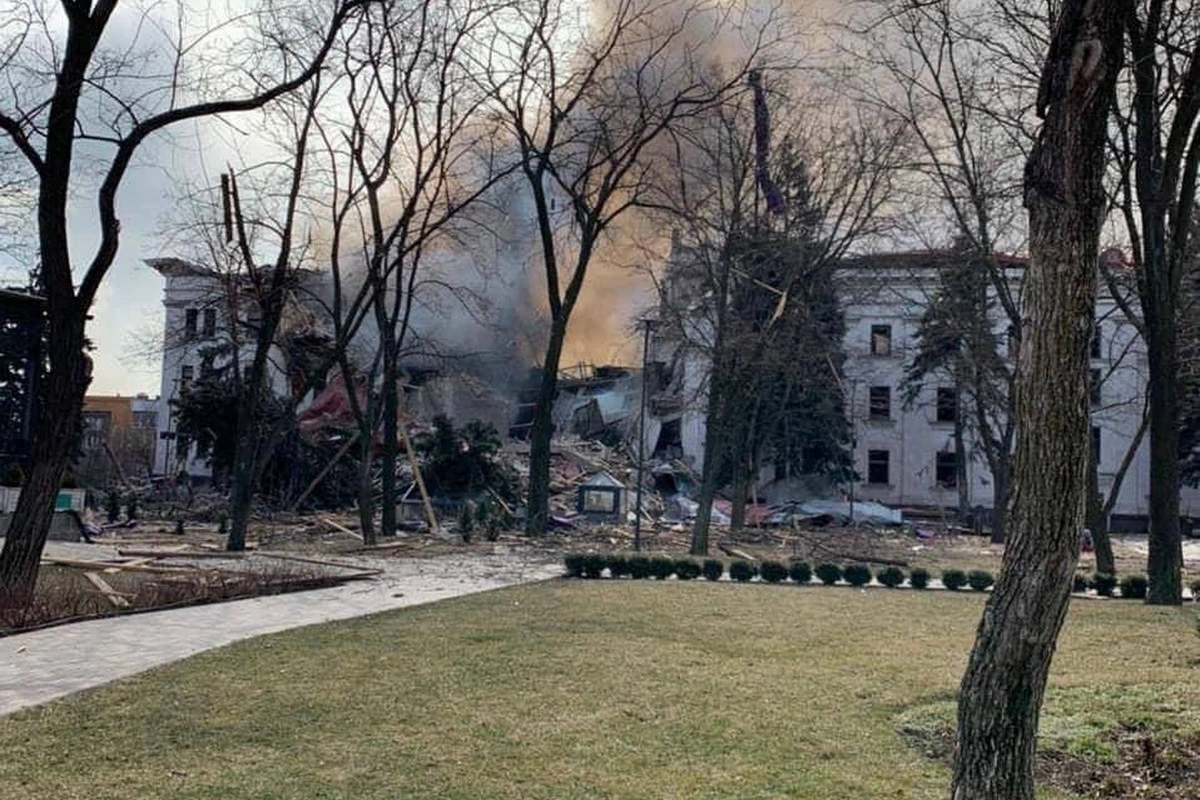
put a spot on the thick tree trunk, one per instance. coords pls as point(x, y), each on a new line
point(538, 513)
point(960, 468)
point(1001, 694)
point(58, 407)
point(741, 493)
point(241, 494)
point(1001, 496)
point(1165, 561)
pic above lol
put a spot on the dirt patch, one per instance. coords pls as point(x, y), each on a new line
point(1132, 764)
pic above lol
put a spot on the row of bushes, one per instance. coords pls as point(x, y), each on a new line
point(593, 565)
point(1133, 587)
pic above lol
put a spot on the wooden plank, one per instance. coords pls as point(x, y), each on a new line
point(112, 594)
point(420, 481)
point(356, 568)
point(341, 528)
point(137, 552)
point(100, 566)
point(325, 470)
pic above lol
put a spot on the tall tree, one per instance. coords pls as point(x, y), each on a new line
point(584, 106)
point(49, 118)
point(1158, 148)
point(1002, 689)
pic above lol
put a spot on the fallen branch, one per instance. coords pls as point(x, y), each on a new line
point(114, 597)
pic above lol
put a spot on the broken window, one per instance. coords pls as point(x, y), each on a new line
point(881, 402)
point(1095, 388)
point(1097, 341)
point(190, 318)
point(877, 466)
point(210, 323)
point(186, 374)
point(947, 404)
point(946, 469)
point(881, 340)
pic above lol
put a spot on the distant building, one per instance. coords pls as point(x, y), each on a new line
point(904, 454)
point(210, 320)
point(119, 438)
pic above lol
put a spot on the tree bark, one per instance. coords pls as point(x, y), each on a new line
point(366, 490)
point(1004, 683)
point(538, 515)
point(1001, 496)
point(1097, 522)
point(1164, 563)
point(390, 449)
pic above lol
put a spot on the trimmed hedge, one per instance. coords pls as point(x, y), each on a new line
point(574, 564)
point(1079, 583)
point(1134, 587)
point(661, 567)
point(890, 577)
point(639, 567)
point(1104, 584)
point(618, 566)
point(954, 579)
point(686, 569)
point(828, 574)
point(741, 571)
point(800, 572)
point(594, 564)
point(857, 574)
point(980, 580)
point(773, 571)
point(713, 569)
point(919, 578)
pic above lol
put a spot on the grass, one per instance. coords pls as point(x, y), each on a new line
point(587, 689)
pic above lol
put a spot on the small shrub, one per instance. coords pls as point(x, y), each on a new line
point(593, 565)
point(1133, 587)
point(686, 569)
point(574, 564)
point(1104, 584)
point(800, 572)
point(980, 580)
point(857, 574)
point(828, 574)
point(466, 522)
point(131, 507)
point(1080, 583)
point(773, 571)
point(890, 577)
point(954, 579)
point(13, 476)
point(919, 578)
point(741, 571)
point(662, 567)
point(483, 514)
point(223, 525)
point(713, 569)
point(618, 566)
point(639, 567)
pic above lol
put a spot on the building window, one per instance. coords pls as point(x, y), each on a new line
point(881, 402)
point(96, 425)
point(1097, 343)
point(946, 469)
point(947, 404)
point(145, 420)
point(877, 466)
point(206, 366)
point(187, 373)
point(1096, 445)
point(1095, 388)
point(881, 340)
point(190, 317)
point(210, 323)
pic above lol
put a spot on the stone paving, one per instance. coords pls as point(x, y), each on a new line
point(41, 665)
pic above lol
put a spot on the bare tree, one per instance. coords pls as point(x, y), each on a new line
point(584, 106)
point(1002, 689)
point(45, 119)
point(1157, 150)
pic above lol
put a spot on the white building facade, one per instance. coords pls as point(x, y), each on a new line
point(904, 453)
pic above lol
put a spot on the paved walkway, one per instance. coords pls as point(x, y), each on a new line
point(39, 666)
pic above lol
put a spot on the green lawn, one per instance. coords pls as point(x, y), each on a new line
point(589, 690)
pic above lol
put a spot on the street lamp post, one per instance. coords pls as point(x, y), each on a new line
point(647, 325)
